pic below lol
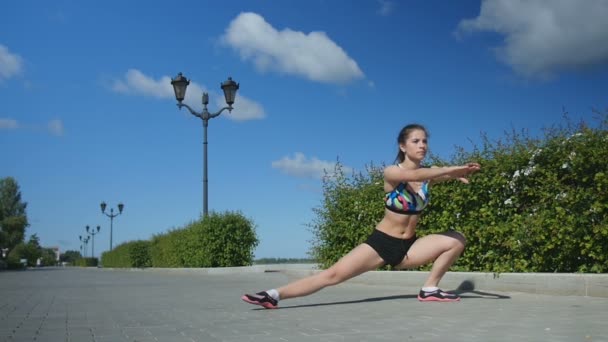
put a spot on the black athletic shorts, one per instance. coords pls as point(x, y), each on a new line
point(391, 249)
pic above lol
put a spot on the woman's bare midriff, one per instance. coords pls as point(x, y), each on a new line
point(398, 225)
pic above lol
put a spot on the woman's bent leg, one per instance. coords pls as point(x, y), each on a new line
point(444, 249)
point(361, 259)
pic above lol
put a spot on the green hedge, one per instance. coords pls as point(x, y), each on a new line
point(86, 262)
point(538, 205)
point(218, 240)
point(129, 254)
point(350, 210)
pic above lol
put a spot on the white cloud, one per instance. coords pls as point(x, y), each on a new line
point(543, 37)
point(244, 108)
point(386, 7)
point(300, 166)
point(313, 56)
point(136, 82)
point(6, 123)
point(10, 64)
point(55, 127)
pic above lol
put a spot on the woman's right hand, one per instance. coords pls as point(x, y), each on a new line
point(465, 170)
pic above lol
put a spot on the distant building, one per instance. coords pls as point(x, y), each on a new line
point(57, 252)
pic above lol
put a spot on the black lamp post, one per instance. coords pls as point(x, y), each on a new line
point(111, 215)
point(93, 233)
point(180, 83)
point(85, 242)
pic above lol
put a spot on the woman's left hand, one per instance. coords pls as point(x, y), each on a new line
point(472, 168)
point(463, 179)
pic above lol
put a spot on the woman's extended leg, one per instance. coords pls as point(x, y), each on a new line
point(361, 259)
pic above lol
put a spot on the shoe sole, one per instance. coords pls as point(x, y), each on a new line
point(435, 299)
point(265, 305)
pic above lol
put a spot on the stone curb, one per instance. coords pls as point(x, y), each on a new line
point(565, 284)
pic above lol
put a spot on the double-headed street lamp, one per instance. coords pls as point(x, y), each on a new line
point(93, 233)
point(83, 246)
point(111, 215)
point(180, 83)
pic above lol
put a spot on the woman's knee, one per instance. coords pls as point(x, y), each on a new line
point(459, 241)
point(331, 277)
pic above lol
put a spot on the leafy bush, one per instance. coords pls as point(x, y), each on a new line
point(351, 209)
point(179, 248)
point(218, 240)
point(164, 250)
point(128, 254)
point(28, 251)
point(48, 256)
point(13, 262)
point(70, 256)
point(227, 239)
point(538, 205)
point(86, 262)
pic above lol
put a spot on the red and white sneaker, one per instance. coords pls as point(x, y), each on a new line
point(437, 296)
point(262, 299)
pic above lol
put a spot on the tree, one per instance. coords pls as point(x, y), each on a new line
point(48, 256)
point(13, 219)
point(30, 251)
point(70, 256)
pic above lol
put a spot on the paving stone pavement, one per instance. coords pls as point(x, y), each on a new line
point(77, 304)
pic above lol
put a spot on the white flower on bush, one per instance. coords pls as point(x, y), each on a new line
point(572, 136)
point(516, 174)
point(529, 170)
point(561, 195)
point(565, 165)
point(509, 201)
point(535, 153)
point(526, 172)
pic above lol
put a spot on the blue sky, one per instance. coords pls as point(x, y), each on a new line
point(87, 113)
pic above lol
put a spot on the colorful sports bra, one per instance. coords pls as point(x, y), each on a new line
point(404, 201)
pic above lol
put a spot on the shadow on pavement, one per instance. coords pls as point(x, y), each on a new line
point(466, 286)
point(366, 300)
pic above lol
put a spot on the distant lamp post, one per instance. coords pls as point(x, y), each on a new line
point(93, 233)
point(180, 83)
point(111, 215)
point(85, 242)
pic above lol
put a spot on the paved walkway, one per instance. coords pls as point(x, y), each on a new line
point(75, 304)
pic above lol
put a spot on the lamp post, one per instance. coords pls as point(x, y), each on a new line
point(180, 83)
point(93, 233)
point(85, 242)
point(111, 215)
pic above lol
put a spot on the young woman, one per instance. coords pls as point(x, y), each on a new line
point(394, 240)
